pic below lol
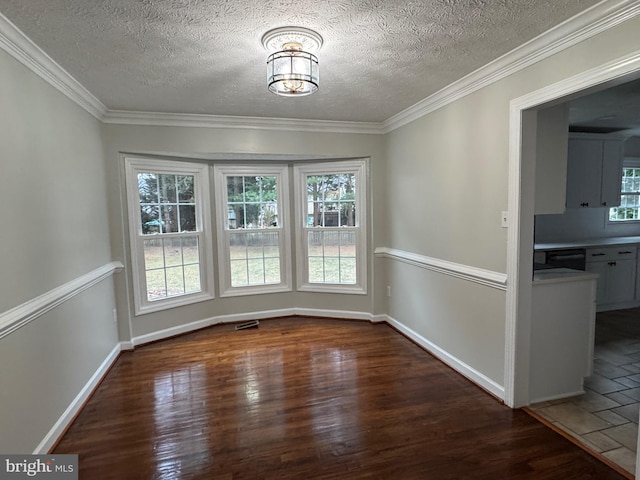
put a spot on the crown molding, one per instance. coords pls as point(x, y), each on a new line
point(592, 21)
point(587, 24)
point(123, 117)
point(20, 47)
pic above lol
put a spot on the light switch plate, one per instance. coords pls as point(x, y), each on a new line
point(504, 219)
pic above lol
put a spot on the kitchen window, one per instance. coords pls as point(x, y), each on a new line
point(629, 208)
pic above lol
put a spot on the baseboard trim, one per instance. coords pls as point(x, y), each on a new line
point(245, 317)
point(65, 420)
point(18, 317)
point(556, 397)
point(458, 365)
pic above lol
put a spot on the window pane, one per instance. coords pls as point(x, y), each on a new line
point(186, 190)
point(332, 256)
point(316, 270)
point(187, 218)
point(167, 203)
point(331, 200)
point(169, 219)
point(150, 218)
point(192, 279)
point(630, 200)
point(272, 270)
point(153, 254)
point(255, 267)
point(190, 251)
point(348, 270)
point(148, 187)
point(252, 201)
point(237, 246)
point(239, 275)
point(252, 216)
point(167, 186)
point(348, 214)
point(348, 244)
point(172, 266)
point(255, 258)
point(331, 270)
point(156, 287)
point(175, 281)
point(172, 252)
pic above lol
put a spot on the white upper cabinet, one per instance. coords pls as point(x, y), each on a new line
point(594, 172)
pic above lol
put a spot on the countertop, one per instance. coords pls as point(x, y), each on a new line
point(561, 275)
point(589, 242)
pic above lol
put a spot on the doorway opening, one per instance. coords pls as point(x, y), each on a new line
point(522, 159)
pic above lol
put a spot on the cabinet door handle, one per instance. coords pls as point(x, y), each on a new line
point(604, 204)
point(624, 253)
point(612, 264)
point(584, 204)
point(597, 254)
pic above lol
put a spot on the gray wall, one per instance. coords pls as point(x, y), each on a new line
point(54, 229)
point(452, 167)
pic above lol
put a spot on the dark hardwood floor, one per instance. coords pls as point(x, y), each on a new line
point(303, 398)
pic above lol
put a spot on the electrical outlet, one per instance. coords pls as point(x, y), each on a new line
point(115, 316)
point(388, 290)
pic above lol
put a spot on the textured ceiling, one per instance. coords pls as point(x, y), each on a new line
point(203, 56)
point(614, 110)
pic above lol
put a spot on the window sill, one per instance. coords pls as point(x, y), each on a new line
point(255, 290)
point(173, 302)
point(332, 288)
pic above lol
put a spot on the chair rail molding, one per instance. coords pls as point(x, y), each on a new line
point(19, 316)
point(473, 274)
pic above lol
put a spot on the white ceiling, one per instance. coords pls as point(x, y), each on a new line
point(205, 57)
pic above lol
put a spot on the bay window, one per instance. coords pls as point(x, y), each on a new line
point(171, 225)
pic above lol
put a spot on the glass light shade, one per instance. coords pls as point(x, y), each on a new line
point(292, 73)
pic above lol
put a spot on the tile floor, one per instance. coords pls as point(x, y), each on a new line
point(605, 418)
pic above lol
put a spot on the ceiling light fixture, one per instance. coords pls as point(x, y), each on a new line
point(292, 67)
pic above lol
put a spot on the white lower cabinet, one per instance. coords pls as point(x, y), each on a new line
point(562, 333)
point(616, 267)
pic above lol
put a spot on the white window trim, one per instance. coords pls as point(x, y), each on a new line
point(135, 165)
point(627, 162)
point(222, 227)
point(300, 171)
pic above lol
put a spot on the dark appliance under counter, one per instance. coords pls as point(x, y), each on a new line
point(572, 258)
